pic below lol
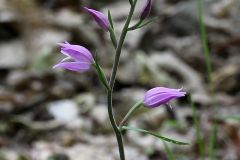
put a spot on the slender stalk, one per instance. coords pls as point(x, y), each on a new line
point(212, 141)
point(169, 153)
point(120, 44)
point(209, 71)
point(204, 41)
point(112, 81)
point(197, 127)
point(130, 112)
point(130, 1)
point(115, 127)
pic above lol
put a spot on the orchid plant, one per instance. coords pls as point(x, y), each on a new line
point(80, 59)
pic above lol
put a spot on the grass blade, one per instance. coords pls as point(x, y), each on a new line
point(212, 141)
point(204, 40)
point(197, 127)
point(168, 152)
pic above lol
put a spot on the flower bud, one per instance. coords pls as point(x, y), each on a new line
point(146, 10)
point(161, 95)
point(99, 17)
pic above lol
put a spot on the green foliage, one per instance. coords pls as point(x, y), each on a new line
point(155, 135)
point(100, 73)
point(141, 24)
point(59, 156)
point(212, 141)
point(110, 19)
point(168, 152)
point(233, 117)
point(43, 61)
point(203, 33)
point(197, 127)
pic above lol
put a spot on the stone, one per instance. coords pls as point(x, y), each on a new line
point(13, 55)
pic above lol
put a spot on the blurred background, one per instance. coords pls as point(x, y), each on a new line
point(48, 114)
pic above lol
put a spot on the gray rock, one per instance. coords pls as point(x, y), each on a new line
point(13, 55)
point(63, 111)
point(101, 123)
point(97, 148)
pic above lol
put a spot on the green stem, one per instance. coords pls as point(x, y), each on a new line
point(115, 127)
point(212, 141)
point(168, 152)
point(120, 44)
point(130, 1)
point(112, 81)
point(197, 127)
point(204, 42)
point(209, 71)
point(130, 112)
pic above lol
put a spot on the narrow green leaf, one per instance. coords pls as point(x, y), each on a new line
point(148, 22)
point(140, 24)
point(155, 135)
point(213, 141)
point(204, 40)
point(168, 152)
point(233, 117)
point(135, 26)
point(110, 19)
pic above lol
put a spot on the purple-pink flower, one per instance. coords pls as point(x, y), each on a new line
point(161, 95)
point(78, 58)
point(146, 10)
point(99, 17)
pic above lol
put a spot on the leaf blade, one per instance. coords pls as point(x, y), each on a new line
point(154, 134)
point(110, 19)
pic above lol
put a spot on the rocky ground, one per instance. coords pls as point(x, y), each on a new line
point(34, 98)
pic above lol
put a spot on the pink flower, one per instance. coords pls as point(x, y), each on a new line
point(99, 17)
point(161, 95)
point(78, 58)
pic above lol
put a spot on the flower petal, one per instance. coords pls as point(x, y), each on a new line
point(158, 90)
point(160, 99)
point(77, 52)
point(161, 95)
point(74, 66)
